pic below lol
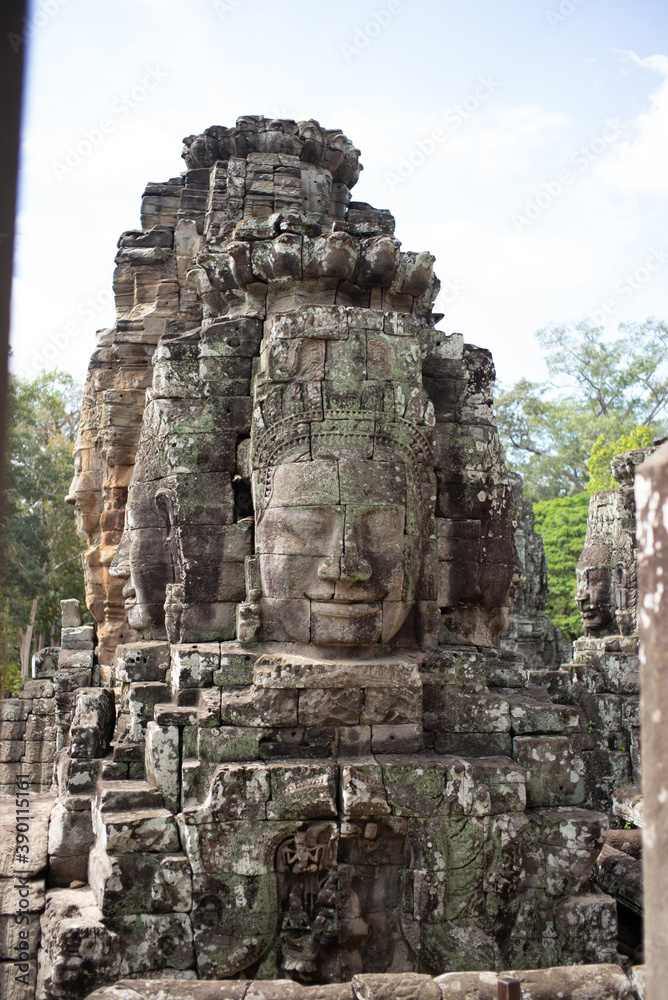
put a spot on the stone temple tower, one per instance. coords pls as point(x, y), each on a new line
point(322, 763)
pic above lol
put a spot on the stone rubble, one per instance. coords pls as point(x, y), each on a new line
point(588, 982)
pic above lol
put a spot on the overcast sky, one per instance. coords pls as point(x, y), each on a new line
point(524, 143)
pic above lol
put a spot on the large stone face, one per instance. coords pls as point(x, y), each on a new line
point(261, 232)
point(322, 767)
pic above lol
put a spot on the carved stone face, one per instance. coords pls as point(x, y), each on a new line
point(593, 596)
point(335, 560)
point(149, 562)
point(85, 495)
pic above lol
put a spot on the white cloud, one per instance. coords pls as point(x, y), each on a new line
point(640, 165)
point(505, 142)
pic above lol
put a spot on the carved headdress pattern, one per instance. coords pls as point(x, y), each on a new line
point(329, 385)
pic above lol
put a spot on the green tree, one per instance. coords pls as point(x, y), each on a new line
point(546, 440)
point(625, 378)
point(41, 560)
point(598, 388)
point(603, 452)
point(563, 522)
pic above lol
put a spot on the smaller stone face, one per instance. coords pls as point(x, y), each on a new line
point(594, 591)
point(606, 571)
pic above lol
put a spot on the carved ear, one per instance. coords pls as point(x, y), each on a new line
point(165, 505)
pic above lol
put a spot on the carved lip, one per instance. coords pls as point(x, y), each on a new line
point(349, 609)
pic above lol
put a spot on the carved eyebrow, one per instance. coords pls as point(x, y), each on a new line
point(381, 514)
point(310, 521)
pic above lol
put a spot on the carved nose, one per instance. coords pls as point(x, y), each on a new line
point(71, 495)
point(330, 569)
point(354, 569)
point(349, 569)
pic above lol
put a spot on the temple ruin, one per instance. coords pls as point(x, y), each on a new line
point(299, 759)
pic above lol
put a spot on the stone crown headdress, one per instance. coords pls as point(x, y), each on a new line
point(335, 381)
point(331, 375)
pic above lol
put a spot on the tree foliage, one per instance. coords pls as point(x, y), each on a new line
point(598, 389)
point(604, 396)
point(546, 440)
point(41, 559)
point(563, 522)
point(603, 452)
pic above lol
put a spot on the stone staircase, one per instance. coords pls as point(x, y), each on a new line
point(130, 917)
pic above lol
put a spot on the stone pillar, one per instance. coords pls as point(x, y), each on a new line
point(651, 489)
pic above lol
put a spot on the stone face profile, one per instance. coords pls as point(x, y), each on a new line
point(322, 763)
point(606, 572)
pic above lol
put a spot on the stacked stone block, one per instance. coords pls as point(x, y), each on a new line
point(35, 725)
point(251, 751)
point(604, 677)
point(78, 767)
point(153, 297)
point(24, 819)
point(28, 737)
point(531, 631)
point(298, 178)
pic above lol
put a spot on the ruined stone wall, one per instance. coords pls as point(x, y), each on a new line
point(254, 762)
point(153, 298)
point(150, 298)
point(36, 724)
point(531, 631)
point(604, 677)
